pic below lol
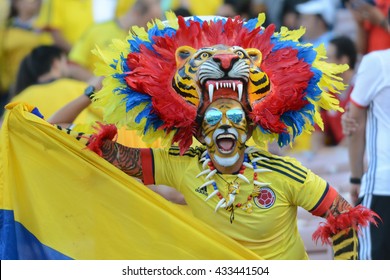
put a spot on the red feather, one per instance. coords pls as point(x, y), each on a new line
point(106, 132)
point(355, 218)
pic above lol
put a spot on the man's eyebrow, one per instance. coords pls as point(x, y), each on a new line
point(225, 106)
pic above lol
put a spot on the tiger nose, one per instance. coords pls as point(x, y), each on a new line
point(225, 60)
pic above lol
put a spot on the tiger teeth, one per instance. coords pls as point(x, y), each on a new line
point(239, 90)
point(236, 86)
point(211, 92)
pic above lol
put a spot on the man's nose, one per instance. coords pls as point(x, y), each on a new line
point(225, 127)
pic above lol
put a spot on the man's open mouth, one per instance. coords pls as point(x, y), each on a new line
point(226, 143)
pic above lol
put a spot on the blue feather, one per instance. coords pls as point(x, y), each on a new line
point(168, 31)
point(251, 24)
point(134, 99)
point(284, 139)
point(151, 119)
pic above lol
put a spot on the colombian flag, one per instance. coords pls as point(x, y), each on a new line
point(61, 201)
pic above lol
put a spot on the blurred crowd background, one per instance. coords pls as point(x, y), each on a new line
point(46, 56)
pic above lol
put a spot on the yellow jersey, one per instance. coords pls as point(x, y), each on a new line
point(72, 17)
point(270, 230)
point(50, 97)
point(18, 43)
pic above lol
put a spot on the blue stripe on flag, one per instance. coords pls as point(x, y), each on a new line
point(16, 242)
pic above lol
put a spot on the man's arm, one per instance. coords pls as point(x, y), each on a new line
point(342, 226)
point(344, 241)
point(356, 146)
point(125, 158)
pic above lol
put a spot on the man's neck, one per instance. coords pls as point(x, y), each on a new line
point(48, 77)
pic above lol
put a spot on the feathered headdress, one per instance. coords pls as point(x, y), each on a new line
point(138, 92)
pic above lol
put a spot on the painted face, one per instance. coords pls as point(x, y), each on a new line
point(225, 131)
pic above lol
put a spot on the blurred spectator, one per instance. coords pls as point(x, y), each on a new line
point(181, 11)
point(67, 20)
point(367, 125)
point(370, 17)
point(272, 9)
point(18, 39)
point(341, 50)
point(227, 9)
point(42, 82)
point(290, 15)
point(318, 17)
point(4, 11)
point(345, 24)
point(370, 110)
point(102, 34)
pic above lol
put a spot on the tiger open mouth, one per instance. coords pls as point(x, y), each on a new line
point(224, 86)
point(226, 142)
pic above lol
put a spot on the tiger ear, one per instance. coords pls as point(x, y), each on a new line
point(182, 54)
point(255, 55)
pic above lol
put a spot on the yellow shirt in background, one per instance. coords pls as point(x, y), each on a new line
point(17, 44)
point(72, 17)
point(50, 97)
point(100, 35)
point(200, 7)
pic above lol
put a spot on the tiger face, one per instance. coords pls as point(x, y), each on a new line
point(219, 71)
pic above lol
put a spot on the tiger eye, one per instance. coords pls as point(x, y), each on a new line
point(240, 54)
point(205, 55)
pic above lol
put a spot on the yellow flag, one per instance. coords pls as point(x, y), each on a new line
point(61, 201)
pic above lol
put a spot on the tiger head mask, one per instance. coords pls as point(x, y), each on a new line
point(162, 81)
point(220, 71)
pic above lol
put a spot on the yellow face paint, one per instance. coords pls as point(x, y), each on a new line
point(225, 131)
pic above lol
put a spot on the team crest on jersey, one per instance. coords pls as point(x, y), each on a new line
point(265, 199)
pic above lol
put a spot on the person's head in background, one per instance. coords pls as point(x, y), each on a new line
point(227, 9)
point(342, 50)
point(182, 11)
point(24, 10)
point(317, 16)
point(232, 8)
point(42, 65)
point(141, 13)
point(290, 15)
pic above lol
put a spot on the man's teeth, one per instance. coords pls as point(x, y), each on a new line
point(231, 85)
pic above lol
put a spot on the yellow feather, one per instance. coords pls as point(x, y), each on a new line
point(160, 25)
point(139, 32)
point(260, 20)
point(330, 82)
point(171, 20)
point(293, 35)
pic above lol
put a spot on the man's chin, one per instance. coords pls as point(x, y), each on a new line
point(226, 161)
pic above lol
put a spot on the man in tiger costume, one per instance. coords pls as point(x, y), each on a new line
point(224, 81)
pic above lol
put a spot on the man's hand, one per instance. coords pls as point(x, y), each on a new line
point(354, 192)
point(349, 124)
